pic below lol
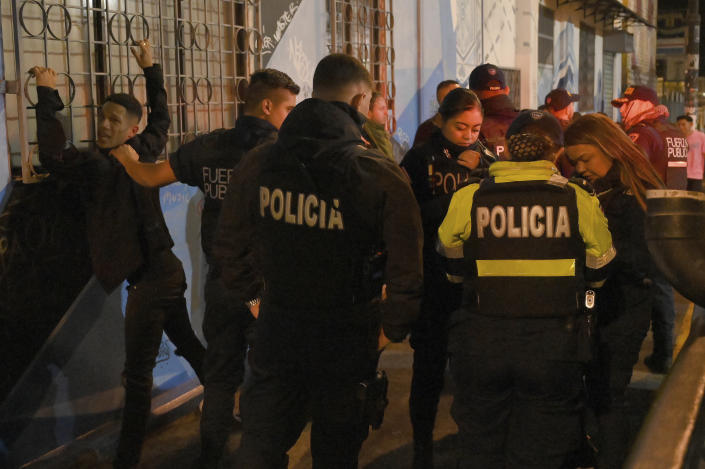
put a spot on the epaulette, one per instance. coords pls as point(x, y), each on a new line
point(583, 184)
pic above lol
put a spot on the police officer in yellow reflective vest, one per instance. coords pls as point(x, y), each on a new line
point(526, 243)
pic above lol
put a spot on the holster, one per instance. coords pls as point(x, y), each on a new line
point(585, 326)
point(372, 399)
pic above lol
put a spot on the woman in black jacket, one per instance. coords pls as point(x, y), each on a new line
point(620, 174)
point(451, 159)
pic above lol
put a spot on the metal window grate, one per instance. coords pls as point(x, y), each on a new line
point(363, 29)
point(207, 48)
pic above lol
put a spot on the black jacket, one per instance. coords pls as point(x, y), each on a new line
point(311, 138)
point(207, 163)
point(627, 284)
point(433, 193)
point(124, 222)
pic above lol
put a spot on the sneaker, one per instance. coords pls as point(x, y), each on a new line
point(657, 365)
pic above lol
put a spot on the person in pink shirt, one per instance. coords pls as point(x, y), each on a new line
point(696, 149)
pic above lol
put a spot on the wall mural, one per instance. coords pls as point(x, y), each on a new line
point(499, 22)
point(468, 32)
point(565, 68)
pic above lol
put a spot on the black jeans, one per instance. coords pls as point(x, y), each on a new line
point(429, 339)
point(155, 305)
point(225, 327)
point(517, 403)
point(663, 315)
point(307, 364)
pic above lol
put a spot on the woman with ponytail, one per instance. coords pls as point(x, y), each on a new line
point(620, 174)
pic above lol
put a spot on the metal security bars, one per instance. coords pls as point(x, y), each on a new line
point(363, 29)
point(207, 48)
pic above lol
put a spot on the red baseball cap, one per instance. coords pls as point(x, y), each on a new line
point(644, 93)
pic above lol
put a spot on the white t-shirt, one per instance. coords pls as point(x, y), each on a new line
point(696, 147)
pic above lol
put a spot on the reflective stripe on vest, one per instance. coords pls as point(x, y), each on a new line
point(525, 267)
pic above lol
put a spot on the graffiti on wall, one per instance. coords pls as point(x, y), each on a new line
point(275, 20)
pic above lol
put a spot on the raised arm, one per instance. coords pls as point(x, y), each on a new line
point(151, 142)
point(56, 153)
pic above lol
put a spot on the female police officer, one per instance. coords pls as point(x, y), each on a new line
point(527, 241)
point(437, 169)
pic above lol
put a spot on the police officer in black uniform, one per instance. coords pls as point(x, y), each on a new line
point(527, 241)
point(207, 163)
point(450, 159)
point(317, 213)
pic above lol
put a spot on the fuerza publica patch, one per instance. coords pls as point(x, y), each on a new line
point(300, 209)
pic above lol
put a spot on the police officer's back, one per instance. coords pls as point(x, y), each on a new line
point(324, 212)
point(526, 241)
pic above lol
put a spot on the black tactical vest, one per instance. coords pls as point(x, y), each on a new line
point(525, 256)
point(319, 225)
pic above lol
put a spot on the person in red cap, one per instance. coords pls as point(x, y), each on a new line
point(488, 83)
point(559, 102)
point(667, 149)
point(644, 120)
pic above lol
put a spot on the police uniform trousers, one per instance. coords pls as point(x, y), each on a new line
point(518, 392)
point(429, 339)
point(308, 364)
point(226, 323)
point(155, 305)
point(621, 329)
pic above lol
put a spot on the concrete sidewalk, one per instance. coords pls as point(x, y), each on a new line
point(173, 441)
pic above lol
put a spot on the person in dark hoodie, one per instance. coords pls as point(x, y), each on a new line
point(451, 159)
point(306, 226)
point(127, 235)
point(487, 81)
point(207, 163)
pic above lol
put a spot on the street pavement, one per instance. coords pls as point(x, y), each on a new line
point(173, 440)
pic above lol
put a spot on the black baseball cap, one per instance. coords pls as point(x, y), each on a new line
point(487, 77)
point(560, 99)
point(633, 92)
point(533, 120)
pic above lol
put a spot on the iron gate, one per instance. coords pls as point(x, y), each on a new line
point(207, 48)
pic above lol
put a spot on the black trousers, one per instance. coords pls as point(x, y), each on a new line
point(225, 326)
point(308, 365)
point(518, 393)
point(429, 339)
point(155, 305)
point(620, 331)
